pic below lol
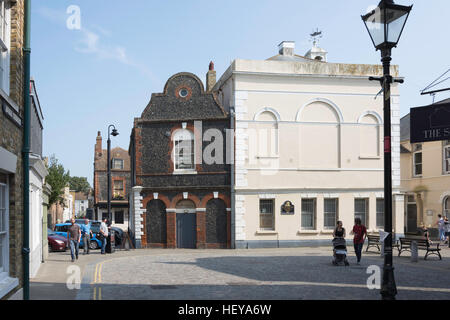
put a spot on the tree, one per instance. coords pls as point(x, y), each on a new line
point(57, 178)
point(79, 184)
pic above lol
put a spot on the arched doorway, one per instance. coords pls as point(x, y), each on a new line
point(186, 224)
point(216, 222)
point(156, 222)
point(446, 207)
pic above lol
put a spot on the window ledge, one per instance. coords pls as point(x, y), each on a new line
point(266, 231)
point(7, 285)
point(369, 157)
point(308, 231)
point(185, 172)
point(267, 157)
point(326, 231)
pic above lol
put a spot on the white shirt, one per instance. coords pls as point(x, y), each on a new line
point(104, 229)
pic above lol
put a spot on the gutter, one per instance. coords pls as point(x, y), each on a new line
point(26, 152)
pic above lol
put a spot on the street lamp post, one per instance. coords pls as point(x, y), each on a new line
point(113, 133)
point(385, 25)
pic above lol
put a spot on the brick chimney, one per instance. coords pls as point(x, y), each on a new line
point(210, 77)
point(98, 146)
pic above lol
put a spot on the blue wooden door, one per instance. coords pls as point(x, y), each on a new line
point(186, 230)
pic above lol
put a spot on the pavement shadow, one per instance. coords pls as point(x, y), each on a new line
point(283, 268)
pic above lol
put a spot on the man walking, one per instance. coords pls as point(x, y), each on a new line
point(86, 231)
point(104, 233)
point(441, 226)
point(74, 237)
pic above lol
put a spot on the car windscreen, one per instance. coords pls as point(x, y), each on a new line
point(61, 228)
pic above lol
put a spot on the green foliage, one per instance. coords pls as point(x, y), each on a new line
point(57, 178)
point(79, 184)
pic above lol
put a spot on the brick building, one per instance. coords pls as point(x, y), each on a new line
point(120, 184)
point(178, 199)
point(11, 142)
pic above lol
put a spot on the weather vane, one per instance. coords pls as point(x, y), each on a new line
point(315, 36)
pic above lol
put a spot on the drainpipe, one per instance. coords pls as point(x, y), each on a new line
point(26, 154)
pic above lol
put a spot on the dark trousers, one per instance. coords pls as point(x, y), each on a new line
point(104, 244)
point(358, 250)
point(86, 241)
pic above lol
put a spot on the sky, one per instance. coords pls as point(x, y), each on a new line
point(105, 72)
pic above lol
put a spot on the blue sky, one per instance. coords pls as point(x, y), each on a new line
point(106, 72)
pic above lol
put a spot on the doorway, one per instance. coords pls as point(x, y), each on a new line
point(411, 214)
point(186, 224)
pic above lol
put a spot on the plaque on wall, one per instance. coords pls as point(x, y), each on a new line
point(287, 208)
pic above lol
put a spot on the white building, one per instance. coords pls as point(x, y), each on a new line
point(309, 148)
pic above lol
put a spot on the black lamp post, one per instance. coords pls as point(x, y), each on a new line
point(113, 133)
point(385, 25)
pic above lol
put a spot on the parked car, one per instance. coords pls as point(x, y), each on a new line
point(118, 235)
point(56, 242)
point(95, 243)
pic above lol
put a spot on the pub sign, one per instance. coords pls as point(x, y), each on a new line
point(430, 123)
point(287, 208)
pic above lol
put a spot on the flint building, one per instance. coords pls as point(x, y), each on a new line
point(178, 200)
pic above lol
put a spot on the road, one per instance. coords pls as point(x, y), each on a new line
point(250, 274)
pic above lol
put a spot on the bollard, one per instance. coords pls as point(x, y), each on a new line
point(414, 252)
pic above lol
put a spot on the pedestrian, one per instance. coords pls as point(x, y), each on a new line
point(339, 231)
point(74, 237)
point(440, 223)
point(104, 233)
point(360, 232)
point(426, 233)
point(87, 235)
point(447, 230)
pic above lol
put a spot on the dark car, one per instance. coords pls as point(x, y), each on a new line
point(56, 242)
point(118, 235)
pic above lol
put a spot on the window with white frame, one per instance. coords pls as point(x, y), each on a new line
point(117, 164)
point(446, 155)
point(330, 213)
point(266, 214)
point(183, 150)
point(417, 160)
point(380, 213)
point(361, 206)
point(5, 36)
point(3, 224)
point(308, 214)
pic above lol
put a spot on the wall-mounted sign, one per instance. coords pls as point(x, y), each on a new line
point(287, 208)
point(430, 123)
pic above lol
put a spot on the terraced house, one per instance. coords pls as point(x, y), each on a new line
point(11, 142)
point(181, 199)
point(120, 184)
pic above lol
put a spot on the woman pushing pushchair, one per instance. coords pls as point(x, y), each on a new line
point(339, 245)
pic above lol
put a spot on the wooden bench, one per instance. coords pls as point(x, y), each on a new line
point(373, 240)
point(422, 244)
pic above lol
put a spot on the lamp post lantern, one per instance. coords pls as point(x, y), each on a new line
point(385, 25)
point(113, 133)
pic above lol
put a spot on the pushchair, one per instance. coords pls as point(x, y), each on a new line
point(339, 252)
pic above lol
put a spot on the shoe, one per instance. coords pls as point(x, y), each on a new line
point(358, 263)
point(77, 257)
point(73, 260)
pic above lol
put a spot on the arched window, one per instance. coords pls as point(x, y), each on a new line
point(369, 135)
point(267, 132)
point(183, 152)
point(320, 134)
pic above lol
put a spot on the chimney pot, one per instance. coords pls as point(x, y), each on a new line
point(210, 77)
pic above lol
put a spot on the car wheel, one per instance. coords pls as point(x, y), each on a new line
point(93, 245)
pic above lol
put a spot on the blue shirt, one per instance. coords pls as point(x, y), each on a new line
point(85, 228)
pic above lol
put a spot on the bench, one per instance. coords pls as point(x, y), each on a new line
point(422, 244)
point(373, 240)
